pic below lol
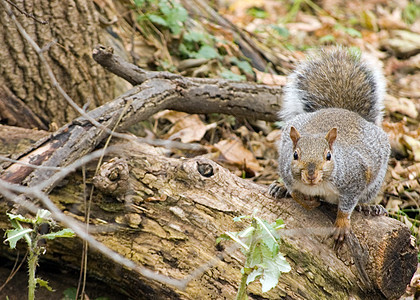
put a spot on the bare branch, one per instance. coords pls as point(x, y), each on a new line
point(26, 13)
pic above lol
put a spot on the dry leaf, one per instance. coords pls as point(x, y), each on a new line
point(403, 42)
point(395, 133)
point(235, 153)
point(270, 79)
point(274, 135)
point(401, 105)
point(171, 115)
point(187, 128)
point(414, 145)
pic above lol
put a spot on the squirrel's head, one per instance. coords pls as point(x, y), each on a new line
point(312, 160)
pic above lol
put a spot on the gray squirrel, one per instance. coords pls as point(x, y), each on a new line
point(332, 147)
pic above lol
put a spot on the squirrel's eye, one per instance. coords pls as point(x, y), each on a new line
point(328, 156)
point(295, 155)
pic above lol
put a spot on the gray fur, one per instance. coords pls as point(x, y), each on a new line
point(360, 145)
point(342, 90)
point(335, 78)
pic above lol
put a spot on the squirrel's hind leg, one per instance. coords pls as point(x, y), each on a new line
point(371, 209)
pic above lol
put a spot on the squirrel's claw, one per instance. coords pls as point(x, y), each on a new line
point(342, 228)
point(372, 210)
point(340, 234)
point(277, 190)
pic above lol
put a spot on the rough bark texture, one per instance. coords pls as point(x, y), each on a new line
point(174, 209)
point(73, 29)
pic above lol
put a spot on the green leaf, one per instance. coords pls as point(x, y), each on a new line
point(207, 52)
point(196, 36)
point(272, 271)
point(255, 257)
point(222, 237)
point(269, 235)
point(139, 3)
point(44, 283)
point(329, 38)
point(353, 32)
point(247, 232)
point(13, 236)
point(282, 31)
point(70, 294)
point(243, 65)
point(157, 20)
point(278, 224)
point(42, 216)
point(64, 233)
point(20, 218)
point(253, 275)
point(227, 74)
point(175, 15)
point(234, 236)
point(257, 13)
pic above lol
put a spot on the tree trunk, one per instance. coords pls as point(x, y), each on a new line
point(27, 98)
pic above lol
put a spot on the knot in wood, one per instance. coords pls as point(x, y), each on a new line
point(112, 177)
point(205, 169)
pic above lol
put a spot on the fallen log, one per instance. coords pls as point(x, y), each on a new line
point(168, 213)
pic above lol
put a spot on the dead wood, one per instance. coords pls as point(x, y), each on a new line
point(171, 212)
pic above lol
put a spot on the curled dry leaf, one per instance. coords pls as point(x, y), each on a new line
point(187, 128)
point(403, 43)
point(274, 135)
point(233, 152)
point(401, 105)
point(413, 145)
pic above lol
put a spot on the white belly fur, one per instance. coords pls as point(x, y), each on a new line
point(326, 191)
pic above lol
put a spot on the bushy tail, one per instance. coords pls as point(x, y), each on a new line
point(338, 78)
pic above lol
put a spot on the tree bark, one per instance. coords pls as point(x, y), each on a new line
point(70, 34)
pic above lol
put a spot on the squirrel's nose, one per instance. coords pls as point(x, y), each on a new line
point(311, 171)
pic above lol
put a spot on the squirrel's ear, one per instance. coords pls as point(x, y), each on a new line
point(294, 135)
point(331, 136)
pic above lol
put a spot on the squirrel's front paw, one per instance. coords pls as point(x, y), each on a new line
point(342, 228)
point(277, 190)
point(340, 234)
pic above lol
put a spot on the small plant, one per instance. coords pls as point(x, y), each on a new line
point(168, 14)
point(264, 261)
point(34, 237)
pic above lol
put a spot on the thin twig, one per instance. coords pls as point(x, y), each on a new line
point(29, 165)
point(26, 13)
